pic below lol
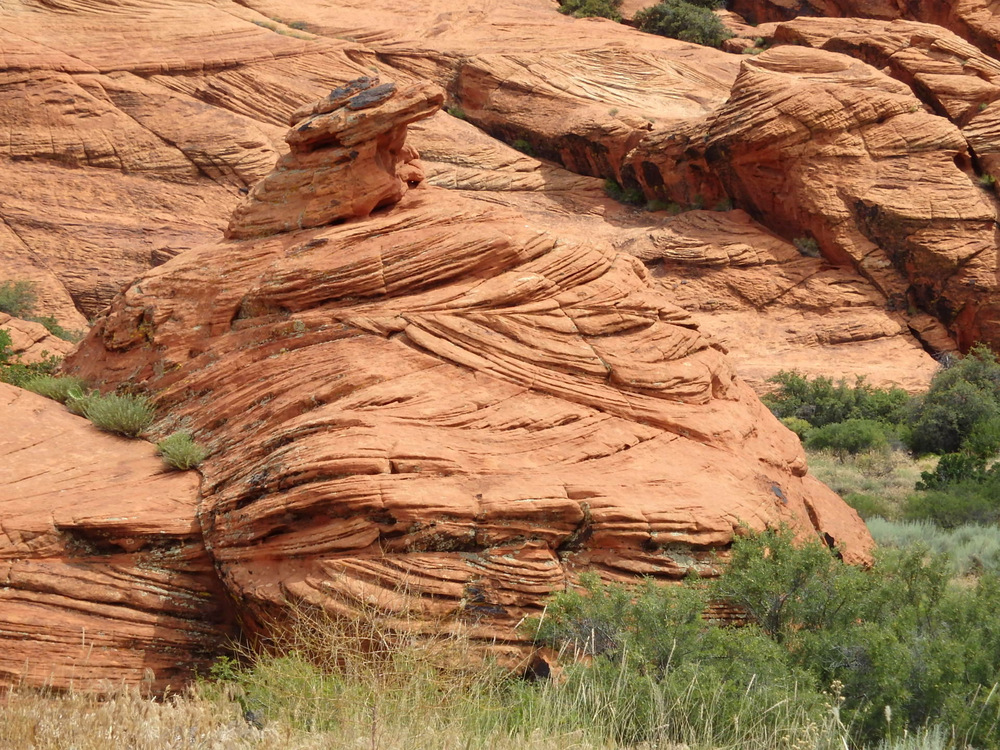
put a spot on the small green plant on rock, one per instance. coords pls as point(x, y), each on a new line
point(180, 451)
point(633, 196)
point(55, 387)
point(591, 8)
point(807, 246)
point(988, 182)
point(524, 146)
point(121, 414)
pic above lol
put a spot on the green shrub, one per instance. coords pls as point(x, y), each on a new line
point(56, 387)
point(591, 8)
point(960, 397)
point(799, 426)
point(632, 196)
point(970, 549)
point(180, 451)
point(821, 401)
point(16, 372)
point(958, 503)
point(898, 635)
point(524, 146)
point(868, 506)
point(122, 414)
point(687, 21)
point(17, 298)
point(807, 246)
point(850, 437)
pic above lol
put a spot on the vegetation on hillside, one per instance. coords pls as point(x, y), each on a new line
point(957, 420)
point(18, 298)
point(16, 372)
point(687, 20)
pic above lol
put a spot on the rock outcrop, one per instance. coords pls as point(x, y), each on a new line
point(30, 341)
point(348, 157)
point(447, 412)
point(830, 149)
point(104, 579)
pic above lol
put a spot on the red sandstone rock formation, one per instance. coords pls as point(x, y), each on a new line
point(447, 411)
point(348, 157)
point(103, 575)
point(30, 341)
point(822, 145)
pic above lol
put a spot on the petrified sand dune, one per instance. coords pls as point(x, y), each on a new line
point(447, 398)
point(823, 145)
point(445, 386)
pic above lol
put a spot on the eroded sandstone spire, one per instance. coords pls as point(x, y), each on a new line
point(348, 157)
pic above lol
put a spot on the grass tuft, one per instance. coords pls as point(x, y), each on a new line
point(56, 387)
point(180, 451)
point(121, 414)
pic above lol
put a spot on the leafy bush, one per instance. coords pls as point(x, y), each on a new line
point(524, 146)
point(632, 196)
point(821, 401)
point(122, 414)
point(591, 8)
point(56, 387)
point(16, 372)
point(687, 21)
point(957, 503)
point(960, 398)
point(969, 548)
point(180, 451)
point(897, 635)
point(868, 506)
point(806, 245)
point(852, 436)
point(799, 426)
point(17, 298)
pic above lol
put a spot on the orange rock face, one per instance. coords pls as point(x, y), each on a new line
point(444, 408)
point(348, 157)
point(827, 147)
point(103, 575)
point(446, 386)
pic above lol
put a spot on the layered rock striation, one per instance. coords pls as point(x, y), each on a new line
point(348, 157)
point(104, 578)
point(446, 412)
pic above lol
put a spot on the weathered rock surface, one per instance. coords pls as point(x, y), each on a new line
point(773, 308)
point(348, 157)
point(30, 341)
point(827, 147)
point(104, 578)
point(973, 20)
point(770, 306)
point(444, 408)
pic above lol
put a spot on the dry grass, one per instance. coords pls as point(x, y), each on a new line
point(889, 477)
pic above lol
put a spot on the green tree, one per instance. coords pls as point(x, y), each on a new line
point(684, 20)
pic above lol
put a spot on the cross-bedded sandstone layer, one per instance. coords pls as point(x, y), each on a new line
point(445, 411)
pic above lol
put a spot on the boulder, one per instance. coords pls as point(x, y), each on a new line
point(104, 579)
point(348, 157)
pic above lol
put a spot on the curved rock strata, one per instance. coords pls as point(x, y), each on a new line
point(828, 148)
point(348, 157)
point(446, 412)
point(104, 578)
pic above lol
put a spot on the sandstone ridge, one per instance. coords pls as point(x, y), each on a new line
point(445, 411)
